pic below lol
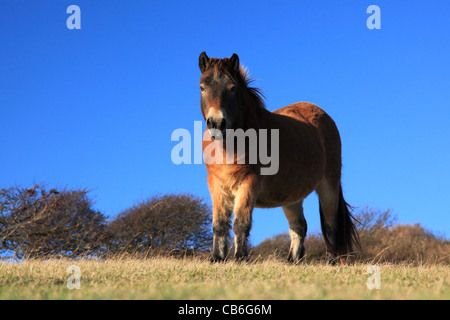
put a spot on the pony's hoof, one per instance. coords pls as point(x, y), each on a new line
point(293, 261)
point(241, 259)
point(214, 259)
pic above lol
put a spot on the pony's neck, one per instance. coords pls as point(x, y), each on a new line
point(252, 111)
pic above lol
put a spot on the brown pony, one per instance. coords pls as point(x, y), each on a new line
point(309, 160)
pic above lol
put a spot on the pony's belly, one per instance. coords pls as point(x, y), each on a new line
point(283, 189)
point(275, 199)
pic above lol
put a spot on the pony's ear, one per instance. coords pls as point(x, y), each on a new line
point(203, 61)
point(234, 62)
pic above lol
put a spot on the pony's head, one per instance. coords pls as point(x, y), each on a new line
point(224, 91)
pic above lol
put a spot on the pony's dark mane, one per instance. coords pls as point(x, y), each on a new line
point(241, 78)
point(254, 92)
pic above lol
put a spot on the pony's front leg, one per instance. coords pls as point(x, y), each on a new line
point(222, 211)
point(243, 208)
point(221, 227)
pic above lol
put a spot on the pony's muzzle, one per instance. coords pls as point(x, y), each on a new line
point(216, 125)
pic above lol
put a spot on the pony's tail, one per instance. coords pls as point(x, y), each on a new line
point(343, 238)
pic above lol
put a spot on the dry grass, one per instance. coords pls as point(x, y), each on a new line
point(167, 278)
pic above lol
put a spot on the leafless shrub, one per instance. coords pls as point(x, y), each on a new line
point(37, 223)
point(276, 247)
point(382, 240)
point(169, 224)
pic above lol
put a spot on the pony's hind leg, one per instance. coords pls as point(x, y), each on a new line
point(297, 230)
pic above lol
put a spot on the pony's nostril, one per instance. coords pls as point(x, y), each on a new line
point(209, 123)
point(219, 124)
point(222, 125)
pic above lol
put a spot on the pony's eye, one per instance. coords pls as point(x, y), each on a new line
point(233, 89)
point(202, 88)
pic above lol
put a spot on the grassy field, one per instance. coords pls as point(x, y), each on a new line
point(165, 278)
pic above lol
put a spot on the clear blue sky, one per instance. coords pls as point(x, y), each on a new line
point(95, 108)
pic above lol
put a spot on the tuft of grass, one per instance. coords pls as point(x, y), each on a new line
point(169, 278)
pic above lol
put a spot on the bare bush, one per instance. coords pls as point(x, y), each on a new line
point(37, 223)
point(382, 240)
point(277, 247)
point(167, 224)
